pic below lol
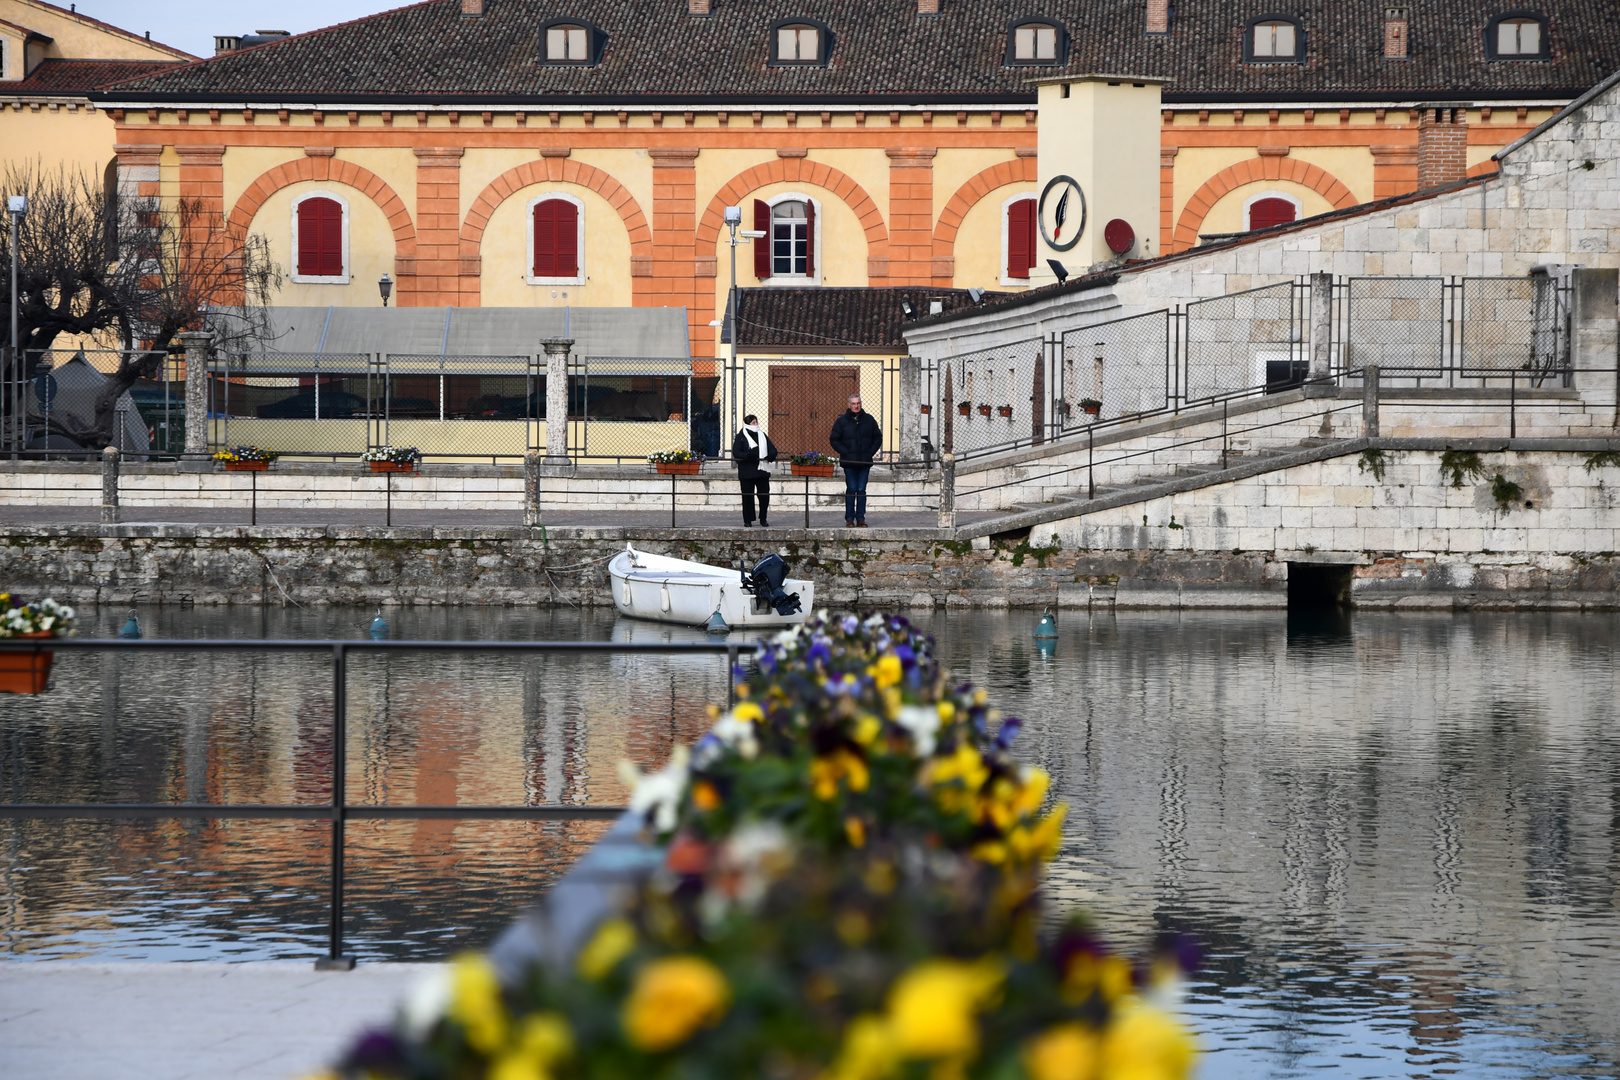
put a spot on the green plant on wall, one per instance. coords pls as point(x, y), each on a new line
point(1602, 459)
point(1373, 461)
point(1506, 493)
point(1462, 465)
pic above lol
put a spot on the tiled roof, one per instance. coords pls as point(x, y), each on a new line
point(77, 76)
point(821, 319)
point(884, 53)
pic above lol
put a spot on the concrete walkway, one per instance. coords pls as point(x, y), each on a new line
point(266, 1020)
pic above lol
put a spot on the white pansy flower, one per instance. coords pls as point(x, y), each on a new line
point(657, 796)
point(923, 724)
point(738, 734)
point(426, 1003)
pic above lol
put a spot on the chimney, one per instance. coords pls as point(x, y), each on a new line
point(698, 9)
point(1442, 145)
point(1158, 16)
point(927, 7)
point(472, 9)
point(226, 43)
point(1395, 32)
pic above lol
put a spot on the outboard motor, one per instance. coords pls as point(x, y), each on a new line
point(765, 584)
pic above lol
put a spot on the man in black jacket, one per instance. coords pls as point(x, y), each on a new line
point(858, 440)
point(750, 450)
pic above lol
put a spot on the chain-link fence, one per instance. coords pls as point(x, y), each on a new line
point(60, 404)
point(798, 399)
point(1399, 325)
point(1251, 339)
point(995, 397)
point(626, 408)
point(1117, 368)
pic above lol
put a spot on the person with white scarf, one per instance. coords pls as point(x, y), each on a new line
point(749, 452)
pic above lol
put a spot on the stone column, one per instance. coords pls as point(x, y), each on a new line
point(909, 446)
point(1595, 338)
point(109, 486)
point(531, 489)
point(1321, 354)
point(947, 492)
point(198, 345)
point(557, 399)
point(1369, 401)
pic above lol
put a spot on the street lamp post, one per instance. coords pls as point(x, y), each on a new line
point(385, 286)
point(16, 206)
point(739, 235)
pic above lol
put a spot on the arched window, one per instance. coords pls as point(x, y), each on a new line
point(320, 226)
point(797, 42)
point(1273, 39)
point(1271, 210)
point(569, 41)
point(1036, 43)
point(1019, 222)
point(1517, 35)
point(556, 224)
point(789, 247)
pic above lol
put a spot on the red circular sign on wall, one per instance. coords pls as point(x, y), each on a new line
point(1119, 236)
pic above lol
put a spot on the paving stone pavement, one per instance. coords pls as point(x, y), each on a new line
point(260, 1020)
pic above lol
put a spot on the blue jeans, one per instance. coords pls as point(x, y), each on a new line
point(855, 491)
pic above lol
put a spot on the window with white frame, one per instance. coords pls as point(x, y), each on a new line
point(1035, 43)
point(799, 43)
point(792, 239)
point(1519, 36)
point(1273, 40)
point(320, 238)
point(556, 240)
point(572, 43)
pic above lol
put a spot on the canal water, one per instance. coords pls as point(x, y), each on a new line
point(1398, 836)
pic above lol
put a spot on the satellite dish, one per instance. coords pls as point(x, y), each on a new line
point(1119, 236)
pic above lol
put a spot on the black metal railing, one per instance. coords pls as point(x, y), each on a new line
point(339, 810)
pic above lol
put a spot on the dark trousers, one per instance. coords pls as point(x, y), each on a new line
point(855, 491)
point(751, 485)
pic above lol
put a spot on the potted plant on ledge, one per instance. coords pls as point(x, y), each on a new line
point(1090, 406)
point(392, 458)
point(815, 463)
point(246, 459)
point(28, 672)
point(675, 462)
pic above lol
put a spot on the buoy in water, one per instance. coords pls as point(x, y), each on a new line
point(717, 624)
point(131, 628)
point(1047, 627)
point(379, 629)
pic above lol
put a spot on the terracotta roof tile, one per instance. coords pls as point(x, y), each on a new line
point(883, 51)
point(58, 76)
point(823, 319)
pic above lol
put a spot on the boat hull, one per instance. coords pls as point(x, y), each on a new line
point(664, 589)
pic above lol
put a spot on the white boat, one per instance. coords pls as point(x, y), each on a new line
point(670, 590)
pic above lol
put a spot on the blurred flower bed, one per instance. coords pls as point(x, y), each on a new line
point(850, 891)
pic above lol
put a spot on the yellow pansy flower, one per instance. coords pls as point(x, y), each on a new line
point(672, 998)
point(1064, 1052)
point(886, 672)
point(543, 1040)
point(475, 1002)
point(869, 1051)
point(612, 941)
point(1146, 1044)
point(932, 1006)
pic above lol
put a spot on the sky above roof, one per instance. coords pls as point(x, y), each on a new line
point(192, 24)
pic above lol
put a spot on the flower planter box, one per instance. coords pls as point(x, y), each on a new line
point(1005, 410)
point(390, 466)
point(984, 410)
point(812, 470)
point(26, 672)
point(677, 468)
point(246, 466)
point(1091, 410)
point(926, 409)
point(965, 408)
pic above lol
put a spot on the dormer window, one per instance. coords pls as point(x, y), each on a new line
point(1518, 35)
point(567, 42)
point(1273, 40)
point(1036, 42)
point(799, 43)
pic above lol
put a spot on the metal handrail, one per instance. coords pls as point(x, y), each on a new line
point(339, 810)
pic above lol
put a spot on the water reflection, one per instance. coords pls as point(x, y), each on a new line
point(1396, 833)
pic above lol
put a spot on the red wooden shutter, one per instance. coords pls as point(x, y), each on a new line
point(809, 238)
point(1020, 238)
point(762, 246)
point(320, 238)
point(556, 239)
point(1268, 212)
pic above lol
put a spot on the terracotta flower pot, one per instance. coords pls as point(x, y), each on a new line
point(26, 672)
point(984, 410)
point(1005, 410)
point(246, 466)
point(964, 408)
point(812, 470)
point(390, 466)
point(678, 468)
point(1091, 410)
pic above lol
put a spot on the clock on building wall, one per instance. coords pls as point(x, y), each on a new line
point(1062, 213)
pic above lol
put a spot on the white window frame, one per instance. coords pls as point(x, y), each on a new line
point(1006, 248)
point(579, 240)
point(317, 279)
point(1518, 22)
point(1271, 27)
point(795, 280)
point(1299, 204)
point(566, 28)
point(797, 30)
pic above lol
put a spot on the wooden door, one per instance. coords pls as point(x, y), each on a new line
point(805, 400)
